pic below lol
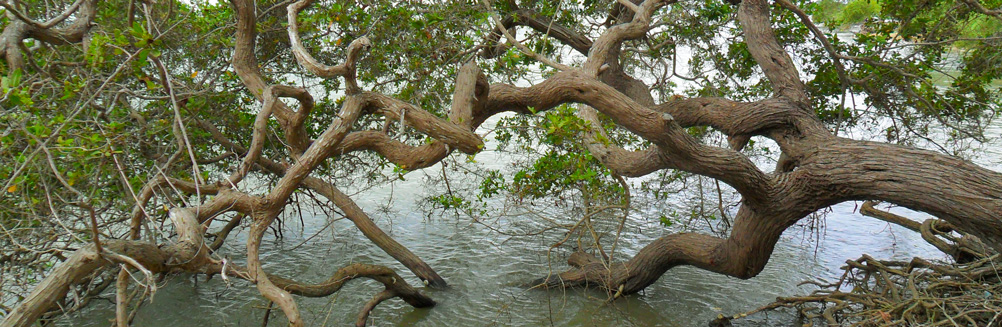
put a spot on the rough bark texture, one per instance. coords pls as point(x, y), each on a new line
point(816, 169)
point(22, 28)
point(189, 252)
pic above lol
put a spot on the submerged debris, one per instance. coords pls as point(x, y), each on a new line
point(919, 292)
point(897, 293)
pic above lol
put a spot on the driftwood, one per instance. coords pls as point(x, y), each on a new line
point(875, 292)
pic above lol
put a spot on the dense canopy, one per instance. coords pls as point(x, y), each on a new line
point(136, 135)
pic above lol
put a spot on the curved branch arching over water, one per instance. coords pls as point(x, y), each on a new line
point(818, 169)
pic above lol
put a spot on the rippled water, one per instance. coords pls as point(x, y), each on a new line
point(487, 271)
point(486, 278)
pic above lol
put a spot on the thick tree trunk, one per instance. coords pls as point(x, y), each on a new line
point(816, 169)
point(965, 195)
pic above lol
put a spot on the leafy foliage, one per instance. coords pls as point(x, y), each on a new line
point(89, 124)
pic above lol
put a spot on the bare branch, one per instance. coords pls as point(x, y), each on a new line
point(347, 69)
point(188, 253)
point(363, 315)
point(997, 13)
point(770, 55)
point(611, 38)
point(806, 20)
point(521, 47)
point(540, 23)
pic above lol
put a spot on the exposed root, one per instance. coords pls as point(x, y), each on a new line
point(937, 232)
point(875, 292)
point(743, 254)
point(588, 270)
point(897, 293)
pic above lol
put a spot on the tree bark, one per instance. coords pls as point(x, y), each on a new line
point(816, 170)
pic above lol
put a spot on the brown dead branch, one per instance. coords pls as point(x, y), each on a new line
point(875, 292)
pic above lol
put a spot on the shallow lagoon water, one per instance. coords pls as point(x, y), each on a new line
point(487, 273)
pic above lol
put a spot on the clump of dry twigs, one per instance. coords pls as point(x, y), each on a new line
point(918, 292)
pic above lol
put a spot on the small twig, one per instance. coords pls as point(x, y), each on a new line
point(521, 47)
point(267, 314)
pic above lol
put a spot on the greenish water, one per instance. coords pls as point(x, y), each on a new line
point(487, 271)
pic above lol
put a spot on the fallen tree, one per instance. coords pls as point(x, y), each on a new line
point(816, 169)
